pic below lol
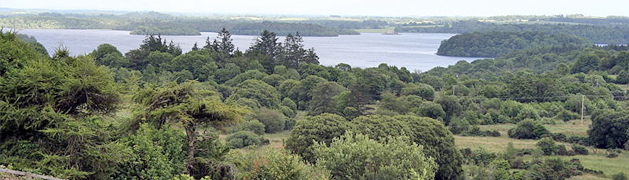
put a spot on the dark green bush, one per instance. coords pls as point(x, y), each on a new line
point(273, 120)
point(563, 151)
point(528, 129)
point(290, 123)
point(555, 169)
point(320, 128)
point(251, 125)
point(242, 139)
point(547, 145)
point(459, 125)
point(578, 149)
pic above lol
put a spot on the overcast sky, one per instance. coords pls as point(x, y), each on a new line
point(343, 7)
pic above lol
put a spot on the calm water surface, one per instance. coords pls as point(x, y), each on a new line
point(414, 51)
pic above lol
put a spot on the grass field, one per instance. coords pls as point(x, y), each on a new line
point(570, 128)
point(375, 30)
point(596, 160)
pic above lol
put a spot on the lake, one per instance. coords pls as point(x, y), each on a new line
point(411, 50)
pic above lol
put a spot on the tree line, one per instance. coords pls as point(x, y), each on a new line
point(597, 34)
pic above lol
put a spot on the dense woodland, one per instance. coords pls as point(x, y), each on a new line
point(158, 113)
point(595, 33)
point(494, 44)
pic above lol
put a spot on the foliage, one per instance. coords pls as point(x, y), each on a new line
point(273, 120)
point(192, 106)
point(493, 44)
point(257, 90)
point(155, 154)
point(609, 129)
point(322, 98)
point(50, 112)
point(252, 125)
point(555, 168)
point(438, 143)
point(528, 129)
point(242, 139)
point(593, 32)
point(321, 128)
point(547, 145)
point(578, 149)
point(425, 91)
point(273, 164)
point(358, 157)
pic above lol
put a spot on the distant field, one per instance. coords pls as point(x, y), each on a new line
point(375, 30)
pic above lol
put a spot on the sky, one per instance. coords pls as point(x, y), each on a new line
point(599, 8)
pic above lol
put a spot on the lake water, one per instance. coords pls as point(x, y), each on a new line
point(411, 50)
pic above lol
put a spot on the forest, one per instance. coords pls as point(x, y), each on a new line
point(494, 43)
point(595, 33)
point(272, 112)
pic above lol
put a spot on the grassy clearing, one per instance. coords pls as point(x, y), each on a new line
point(277, 140)
point(586, 177)
point(598, 161)
point(492, 144)
point(569, 128)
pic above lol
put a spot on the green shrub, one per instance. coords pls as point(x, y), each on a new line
point(290, 123)
point(320, 128)
point(438, 143)
point(547, 145)
point(611, 153)
point(156, 154)
point(555, 169)
point(609, 129)
point(273, 164)
point(273, 120)
point(528, 129)
point(566, 115)
point(358, 157)
point(623, 77)
point(422, 90)
point(288, 112)
point(252, 125)
point(431, 110)
point(578, 149)
point(242, 139)
point(459, 125)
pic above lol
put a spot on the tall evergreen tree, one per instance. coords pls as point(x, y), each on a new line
point(267, 48)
